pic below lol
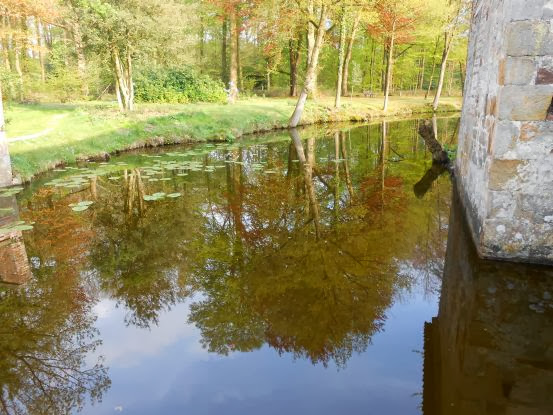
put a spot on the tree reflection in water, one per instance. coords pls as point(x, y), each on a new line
point(47, 332)
point(299, 244)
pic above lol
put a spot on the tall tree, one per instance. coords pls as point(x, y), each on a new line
point(349, 51)
point(341, 56)
point(316, 24)
point(395, 24)
point(122, 30)
point(456, 17)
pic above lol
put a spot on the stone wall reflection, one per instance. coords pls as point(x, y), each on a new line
point(14, 264)
point(490, 349)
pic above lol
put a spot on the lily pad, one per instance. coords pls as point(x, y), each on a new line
point(83, 203)
point(154, 197)
point(16, 226)
point(174, 195)
point(79, 208)
point(22, 228)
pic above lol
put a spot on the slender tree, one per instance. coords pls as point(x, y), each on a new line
point(349, 51)
point(395, 24)
point(456, 14)
point(341, 56)
point(319, 29)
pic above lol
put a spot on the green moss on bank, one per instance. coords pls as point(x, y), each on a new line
point(50, 135)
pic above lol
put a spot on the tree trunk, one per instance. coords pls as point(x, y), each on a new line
point(445, 54)
point(81, 59)
point(233, 79)
point(65, 48)
point(240, 78)
point(224, 64)
point(311, 40)
point(202, 47)
point(6, 44)
point(451, 71)
point(311, 76)
point(2, 120)
point(129, 77)
point(349, 52)
point(383, 66)
point(420, 84)
point(341, 53)
point(18, 69)
point(295, 56)
point(41, 46)
point(462, 77)
point(373, 64)
point(389, 68)
point(433, 69)
point(123, 79)
point(17, 60)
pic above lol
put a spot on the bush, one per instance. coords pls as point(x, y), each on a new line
point(177, 86)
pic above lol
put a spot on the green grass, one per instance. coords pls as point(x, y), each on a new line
point(67, 133)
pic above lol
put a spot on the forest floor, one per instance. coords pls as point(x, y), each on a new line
point(43, 136)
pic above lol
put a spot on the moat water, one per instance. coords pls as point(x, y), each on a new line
point(323, 271)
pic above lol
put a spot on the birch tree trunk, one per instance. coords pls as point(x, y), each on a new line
point(124, 88)
point(349, 52)
point(341, 53)
point(311, 40)
point(443, 67)
point(311, 76)
point(233, 78)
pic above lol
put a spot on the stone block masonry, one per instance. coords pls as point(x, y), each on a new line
point(505, 153)
point(5, 162)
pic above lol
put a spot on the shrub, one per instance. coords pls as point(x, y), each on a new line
point(181, 85)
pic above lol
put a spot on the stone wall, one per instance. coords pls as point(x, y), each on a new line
point(505, 159)
point(5, 162)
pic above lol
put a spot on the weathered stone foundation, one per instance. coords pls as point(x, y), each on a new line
point(505, 157)
point(5, 162)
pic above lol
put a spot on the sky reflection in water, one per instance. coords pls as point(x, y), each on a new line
point(287, 274)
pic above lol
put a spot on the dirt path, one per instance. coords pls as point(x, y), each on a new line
point(52, 124)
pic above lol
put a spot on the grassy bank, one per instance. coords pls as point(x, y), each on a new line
point(43, 136)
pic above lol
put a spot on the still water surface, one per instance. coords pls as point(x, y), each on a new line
point(326, 271)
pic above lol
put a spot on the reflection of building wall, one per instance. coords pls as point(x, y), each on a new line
point(14, 264)
point(490, 349)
